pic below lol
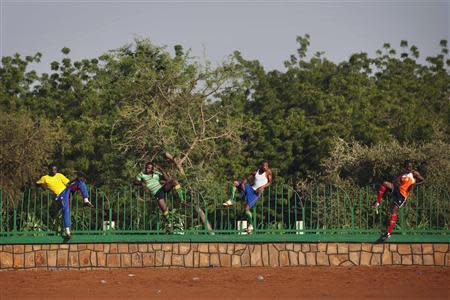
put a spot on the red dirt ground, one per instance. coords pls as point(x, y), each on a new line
point(230, 283)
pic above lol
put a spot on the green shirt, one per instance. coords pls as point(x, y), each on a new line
point(151, 181)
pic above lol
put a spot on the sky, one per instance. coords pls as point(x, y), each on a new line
point(263, 30)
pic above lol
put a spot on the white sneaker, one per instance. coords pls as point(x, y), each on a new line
point(250, 229)
point(228, 203)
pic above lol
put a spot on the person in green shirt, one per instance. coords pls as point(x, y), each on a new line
point(158, 183)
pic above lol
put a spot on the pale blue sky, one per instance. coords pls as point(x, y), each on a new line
point(263, 30)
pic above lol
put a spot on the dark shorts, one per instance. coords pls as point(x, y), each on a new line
point(250, 195)
point(160, 194)
point(397, 198)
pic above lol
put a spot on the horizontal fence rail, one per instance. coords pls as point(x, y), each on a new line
point(280, 210)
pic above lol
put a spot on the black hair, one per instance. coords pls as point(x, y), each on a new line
point(51, 165)
point(148, 163)
point(407, 162)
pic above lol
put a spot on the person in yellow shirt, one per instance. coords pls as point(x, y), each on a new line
point(62, 187)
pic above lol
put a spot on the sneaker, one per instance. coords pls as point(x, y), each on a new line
point(375, 206)
point(385, 237)
point(67, 234)
point(228, 203)
point(87, 203)
point(250, 229)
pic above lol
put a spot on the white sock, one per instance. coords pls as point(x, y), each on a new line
point(67, 229)
point(86, 200)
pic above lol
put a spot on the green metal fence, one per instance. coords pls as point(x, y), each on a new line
point(281, 210)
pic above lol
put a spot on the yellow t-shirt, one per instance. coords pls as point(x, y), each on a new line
point(56, 183)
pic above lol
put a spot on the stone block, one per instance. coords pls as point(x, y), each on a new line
point(230, 248)
point(73, 247)
point(85, 258)
point(427, 248)
point(99, 247)
point(293, 258)
point(136, 259)
point(417, 259)
point(28, 248)
point(235, 261)
point(222, 248)
point(245, 258)
point(93, 259)
point(106, 248)
point(322, 247)
point(19, 249)
point(113, 260)
point(365, 258)
point(159, 258)
point(347, 263)
point(404, 249)
point(125, 260)
point(29, 260)
point(311, 259)
point(366, 247)
point(265, 255)
point(447, 260)
point(64, 246)
point(322, 259)
point(196, 259)
point(355, 257)
point(305, 248)
point(396, 259)
point(132, 248)
point(154, 247)
point(203, 248)
point(342, 248)
point(406, 260)
point(416, 248)
point(284, 259)
point(376, 259)
point(225, 260)
point(177, 260)
point(6, 260)
point(440, 248)
point(52, 256)
point(290, 247)
point(19, 260)
point(313, 247)
point(302, 259)
point(189, 259)
point(113, 248)
point(54, 247)
point(392, 247)
point(82, 247)
point(439, 259)
point(73, 259)
point(214, 260)
point(428, 260)
point(378, 248)
point(256, 256)
point(337, 259)
point(35, 247)
point(143, 248)
point(148, 259)
point(280, 246)
point(386, 258)
point(332, 248)
point(167, 247)
point(213, 248)
point(167, 258)
point(175, 248)
point(354, 247)
point(204, 260)
point(184, 248)
point(40, 258)
point(297, 247)
point(45, 247)
point(101, 259)
point(273, 256)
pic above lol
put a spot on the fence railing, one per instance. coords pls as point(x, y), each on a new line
point(280, 210)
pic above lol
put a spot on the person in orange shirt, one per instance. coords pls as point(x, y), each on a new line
point(401, 188)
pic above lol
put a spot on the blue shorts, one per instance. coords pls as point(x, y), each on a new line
point(250, 195)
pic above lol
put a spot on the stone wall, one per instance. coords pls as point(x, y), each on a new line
point(195, 255)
